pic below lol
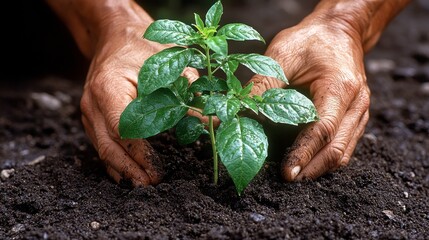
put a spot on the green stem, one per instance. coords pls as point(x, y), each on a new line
point(215, 159)
point(211, 127)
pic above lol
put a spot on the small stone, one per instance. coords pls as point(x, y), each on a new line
point(6, 173)
point(425, 88)
point(95, 225)
point(406, 195)
point(389, 214)
point(380, 65)
point(256, 217)
point(18, 228)
point(37, 160)
point(46, 101)
point(371, 137)
point(402, 205)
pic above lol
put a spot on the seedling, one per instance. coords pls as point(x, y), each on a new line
point(165, 97)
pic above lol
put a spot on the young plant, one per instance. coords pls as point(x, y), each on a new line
point(164, 96)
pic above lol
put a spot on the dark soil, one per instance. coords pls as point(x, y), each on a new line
point(57, 188)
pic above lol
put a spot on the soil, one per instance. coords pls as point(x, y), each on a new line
point(53, 185)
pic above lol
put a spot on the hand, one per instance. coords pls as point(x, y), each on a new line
point(111, 84)
point(328, 61)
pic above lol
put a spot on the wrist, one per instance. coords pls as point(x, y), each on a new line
point(91, 22)
point(363, 21)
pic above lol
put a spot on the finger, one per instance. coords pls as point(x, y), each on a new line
point(116, 158)
point(326, 161)
point(142, 152)
point(331, 110)
point(352, 145)
point(102, 128)
point(263, 83)
point(191, 74)
point(113, 174)
point(204, 119)
point(328, 156)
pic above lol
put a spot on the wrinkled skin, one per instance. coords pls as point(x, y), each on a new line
point(110, 86)
point(330, 64)
point(324, 54)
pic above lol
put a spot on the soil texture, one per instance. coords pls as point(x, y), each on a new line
point(53, 185)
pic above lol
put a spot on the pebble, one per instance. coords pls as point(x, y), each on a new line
point(6, 173)
point(37, 160)
point(425, 88)
point(380, 65)
point(371, 137)
point(402, 205)
point(18, 228)
point(389, 214)
point(406, 195)
point(95, 225)
point(46, 101)
point(256, 217)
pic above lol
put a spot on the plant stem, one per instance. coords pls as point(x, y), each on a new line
point(211, 127)
point(215, 159)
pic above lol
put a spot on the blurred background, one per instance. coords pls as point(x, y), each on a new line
point(36, 43)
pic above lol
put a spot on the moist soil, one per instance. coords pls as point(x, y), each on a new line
point(54, 186)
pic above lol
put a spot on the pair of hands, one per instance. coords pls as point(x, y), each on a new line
point(326, 61)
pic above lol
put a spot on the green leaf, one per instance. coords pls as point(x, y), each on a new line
point(287, 106)
point(203, 84)
point(171, 31)
point(199, 24)
point(229, 67)
point(163, 68)
point(243, 147)
point(260, 64)
point(199, 101)
point(214, 14)
point(249, 103)
point(239, 32)
point(246, 90)
point(233, 83)
point(218, 44)
point(225, 107)
point(257, 98)
point(151, 114)
point(198, 60)
point(188, 130)
point(180, 90)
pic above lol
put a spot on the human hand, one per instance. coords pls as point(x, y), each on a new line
point(328, 61)
point(111, 84)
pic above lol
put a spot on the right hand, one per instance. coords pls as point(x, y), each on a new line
point(328, 62)
point(110, 86)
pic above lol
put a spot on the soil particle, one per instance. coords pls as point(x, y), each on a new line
point(66, 194)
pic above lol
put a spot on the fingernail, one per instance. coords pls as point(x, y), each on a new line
point(295, 171)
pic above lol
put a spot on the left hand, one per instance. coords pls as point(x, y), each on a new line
point(329, 63)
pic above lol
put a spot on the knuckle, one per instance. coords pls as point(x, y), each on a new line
point(112, 120)
point(103, 147)
point(326, 128)
point(334, 156)
point(85, 104)
point(364, 98)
